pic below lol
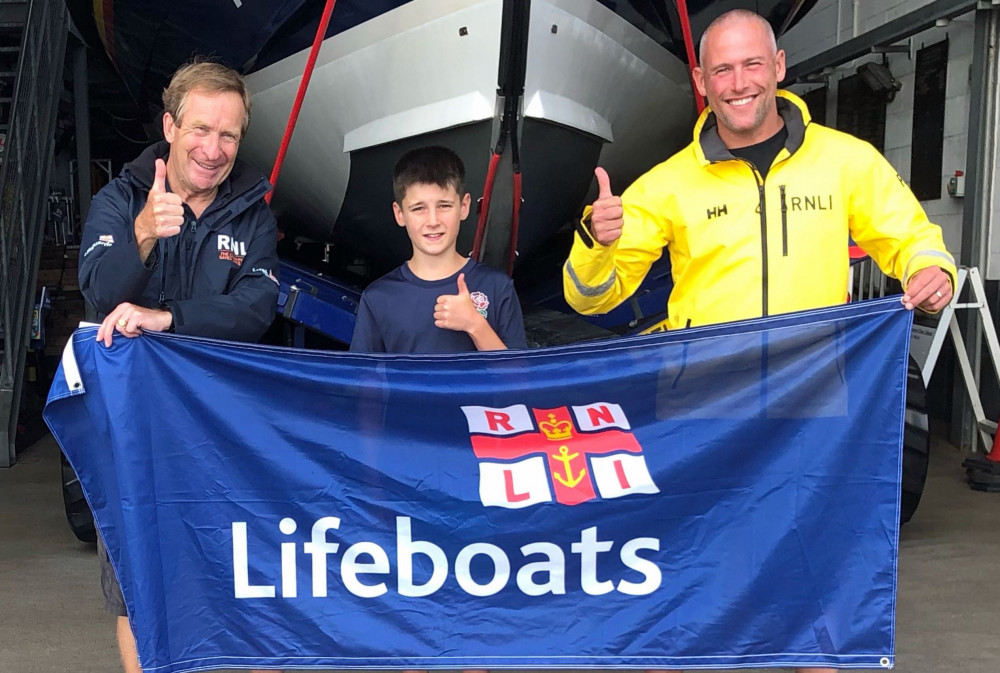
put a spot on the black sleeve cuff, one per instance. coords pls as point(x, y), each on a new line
point(583, 230)
point(176, 318)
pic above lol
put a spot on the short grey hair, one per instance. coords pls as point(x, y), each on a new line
point(731, 17)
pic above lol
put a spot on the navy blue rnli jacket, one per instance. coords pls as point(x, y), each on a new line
point(218, 277)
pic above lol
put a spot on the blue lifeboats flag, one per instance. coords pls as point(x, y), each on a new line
point(718, 497)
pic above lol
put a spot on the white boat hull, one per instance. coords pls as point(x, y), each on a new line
point(597, 91)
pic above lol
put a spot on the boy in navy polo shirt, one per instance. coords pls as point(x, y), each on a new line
point(438, 301)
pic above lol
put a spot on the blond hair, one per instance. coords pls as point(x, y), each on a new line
point(208, 77)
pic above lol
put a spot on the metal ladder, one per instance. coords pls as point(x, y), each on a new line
point(926, 343)
point(12, 19)
point(30, 117)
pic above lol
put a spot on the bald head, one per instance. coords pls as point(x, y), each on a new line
point(730, 19)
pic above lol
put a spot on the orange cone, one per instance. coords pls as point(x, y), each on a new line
point(984, 472)
point(994, 455)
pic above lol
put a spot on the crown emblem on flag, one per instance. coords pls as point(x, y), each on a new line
point(567, 455)
point(556, 430)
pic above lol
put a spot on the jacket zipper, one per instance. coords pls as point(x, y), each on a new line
point(163, 273)
point(784, 223)
point(762, 207)
point(187, 266)
point(763, 244)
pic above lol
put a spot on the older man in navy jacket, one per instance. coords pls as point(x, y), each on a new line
point(183, 241)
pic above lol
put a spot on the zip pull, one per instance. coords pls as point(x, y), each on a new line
point(784, 222)
point(163, 270)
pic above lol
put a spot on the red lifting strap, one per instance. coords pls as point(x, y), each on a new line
point(682, 12)
point(293, 116)
point(484, 207)
point(514, 221)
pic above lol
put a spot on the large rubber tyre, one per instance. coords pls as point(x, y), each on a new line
point(78, 513)
point(916, 443)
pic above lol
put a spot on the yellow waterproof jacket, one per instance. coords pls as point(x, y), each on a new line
point(744, 247)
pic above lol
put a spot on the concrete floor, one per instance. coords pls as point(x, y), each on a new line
point(51, 617)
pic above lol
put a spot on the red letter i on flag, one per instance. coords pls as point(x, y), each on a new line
point(622, 479)
point(508, 481)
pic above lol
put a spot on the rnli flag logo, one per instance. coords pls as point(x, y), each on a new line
point(568, 454)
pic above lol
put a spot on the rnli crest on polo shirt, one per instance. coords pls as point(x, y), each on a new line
point(569, 455)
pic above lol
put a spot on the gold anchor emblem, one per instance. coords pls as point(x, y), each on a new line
point(565, 457)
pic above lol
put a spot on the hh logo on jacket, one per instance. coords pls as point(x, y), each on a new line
point(717, 211)
point(567, 454)
point(231, 250)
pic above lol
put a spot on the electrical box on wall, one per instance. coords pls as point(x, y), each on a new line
point(956, 184)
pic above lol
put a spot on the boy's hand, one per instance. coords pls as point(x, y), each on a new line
point(456, 311)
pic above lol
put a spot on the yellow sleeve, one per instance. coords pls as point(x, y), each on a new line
point(598, 278)
point(888, 222)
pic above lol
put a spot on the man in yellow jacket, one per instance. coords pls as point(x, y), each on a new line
point(756, 212)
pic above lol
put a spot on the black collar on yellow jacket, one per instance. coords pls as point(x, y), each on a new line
point(792, 109)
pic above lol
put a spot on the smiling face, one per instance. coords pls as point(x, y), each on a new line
point(739, 74)
point(203, 143)
point(432, 216)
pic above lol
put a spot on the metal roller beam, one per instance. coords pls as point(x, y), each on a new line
point(898, 29)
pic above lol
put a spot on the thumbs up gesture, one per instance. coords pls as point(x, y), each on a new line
point(163, 214)
point(607, 216)
point(456, 311)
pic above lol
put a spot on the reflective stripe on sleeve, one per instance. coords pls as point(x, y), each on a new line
point(587, 290)
point(926, 253)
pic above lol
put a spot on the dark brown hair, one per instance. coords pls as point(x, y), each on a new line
point(432, 165)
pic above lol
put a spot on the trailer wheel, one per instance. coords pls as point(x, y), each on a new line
point(77, 510)
point(916, 443)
